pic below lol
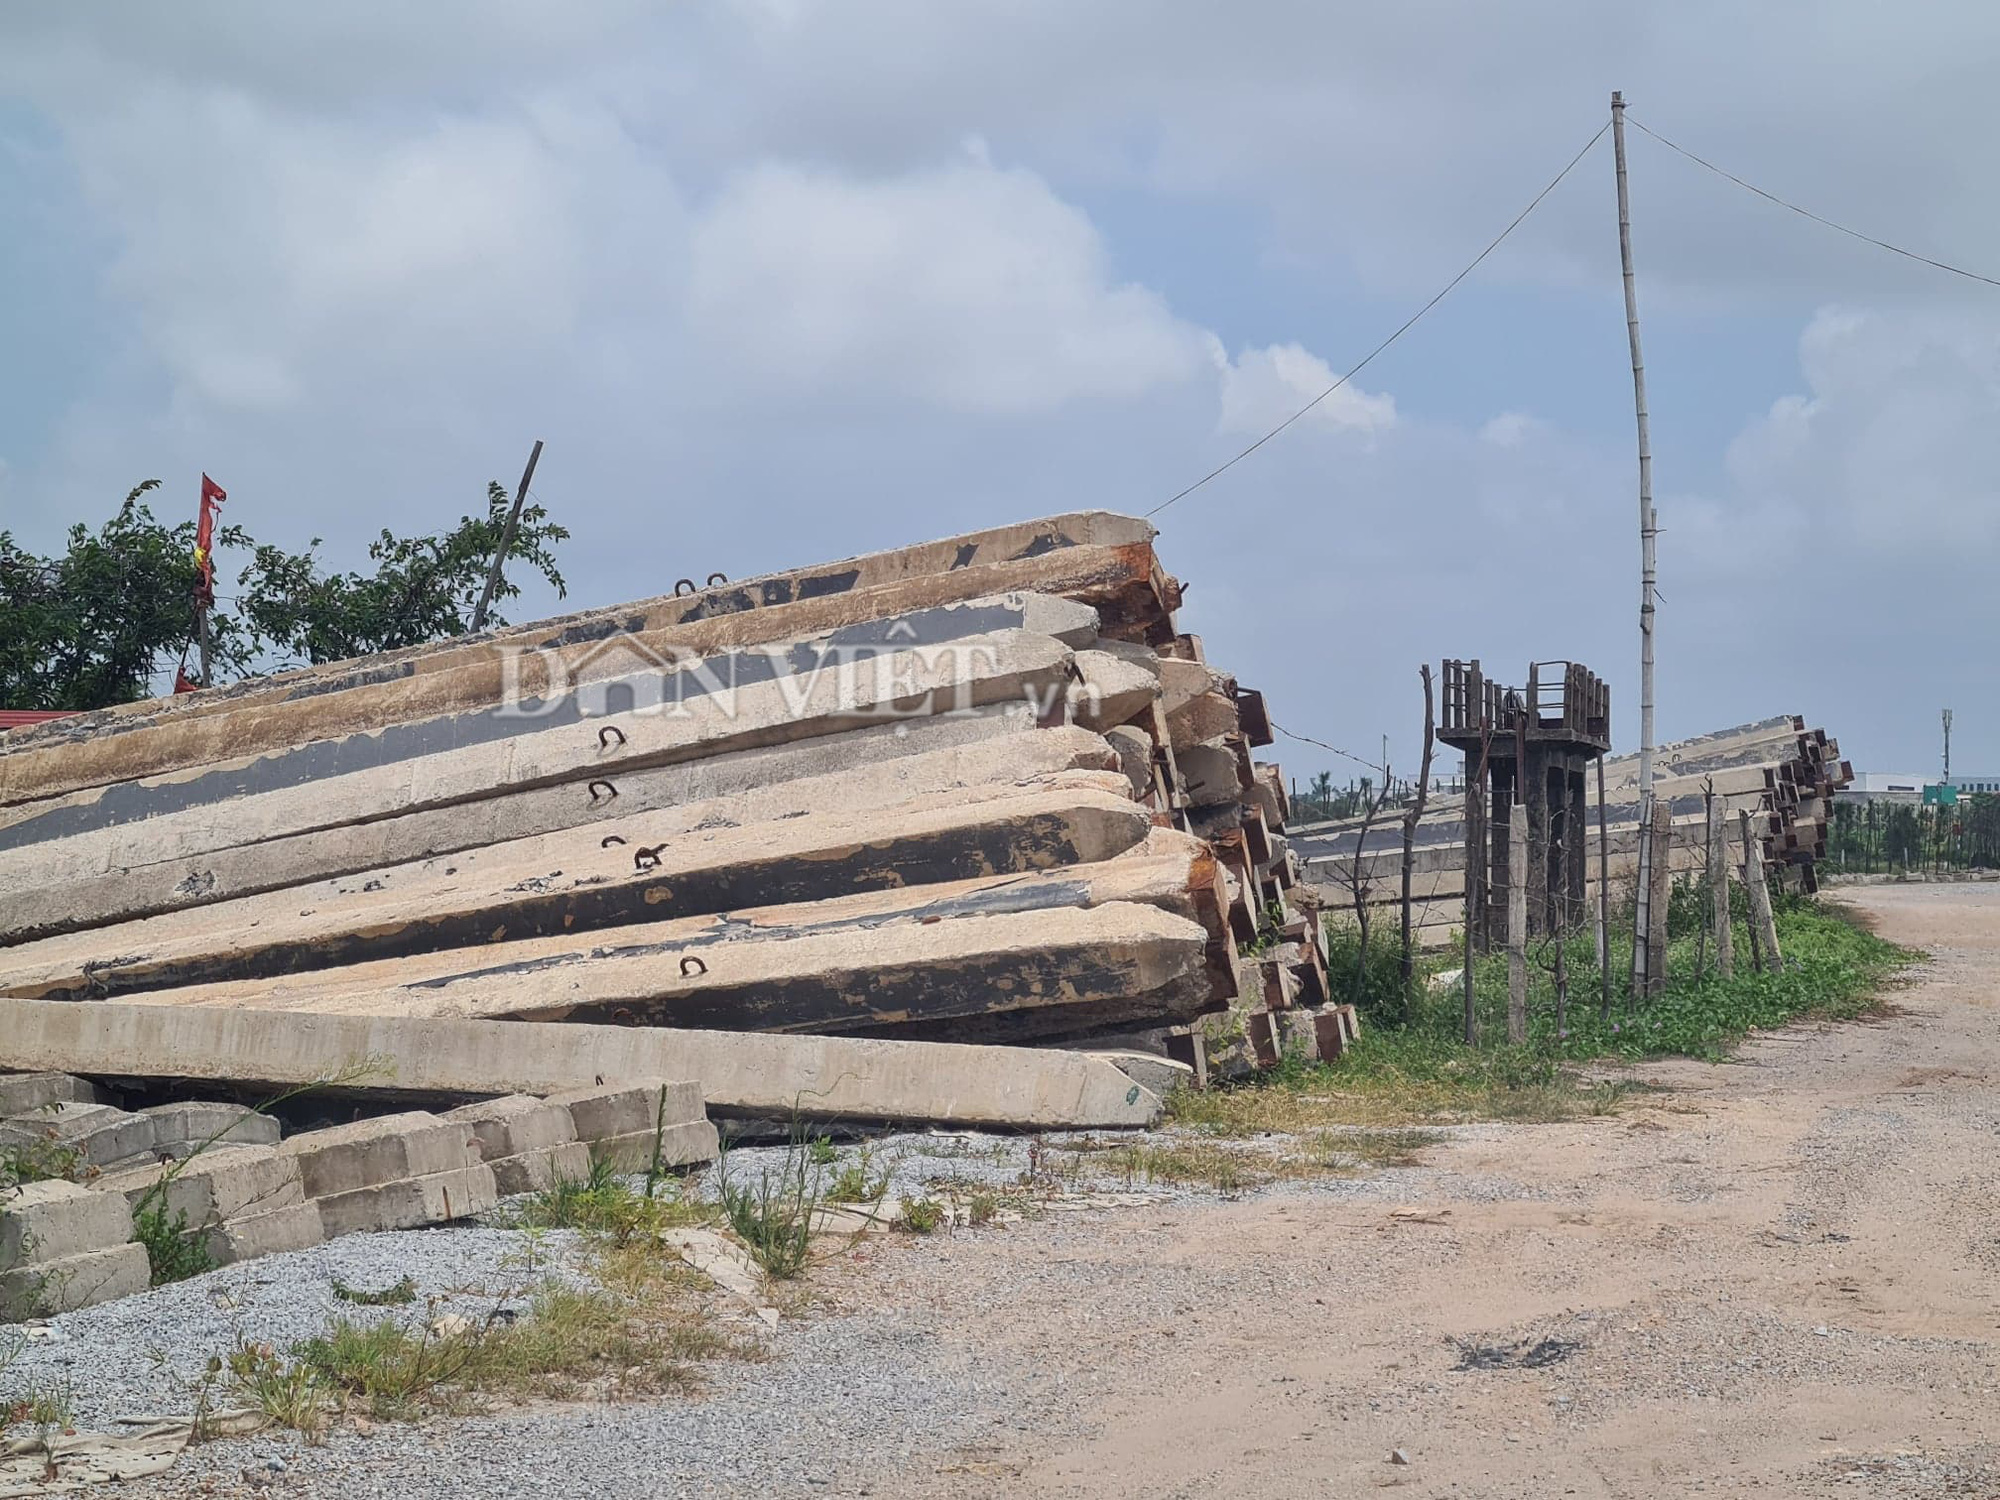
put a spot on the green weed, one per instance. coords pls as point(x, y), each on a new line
point(397, 1294)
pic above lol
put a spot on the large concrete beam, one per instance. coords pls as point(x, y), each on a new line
point(660, 867)
point(872, 766)
point(173, 819)
point(741, 1074)
point(1099, 559)
point(590, 672)
point(1076, 938)
point(643, 683)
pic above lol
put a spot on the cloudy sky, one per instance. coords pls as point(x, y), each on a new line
point(782, 280)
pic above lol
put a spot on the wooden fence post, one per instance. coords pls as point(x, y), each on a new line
point(1659, 897)
point(1517, 923)
point(1718, 884)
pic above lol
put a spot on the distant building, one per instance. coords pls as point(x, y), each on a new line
point(1909, 787)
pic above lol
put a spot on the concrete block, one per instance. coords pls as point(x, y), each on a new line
point(539, 1170)
point(515, 1124)
point(103, 1135)
point(622, 1109)
point(683, 1145)
point(226, 1182)
point(1162, 1075)
point(58, 1286)
point(1111, 690)
point(1298, 1031)
point(298, 1226)
point(366, 1153)
point(24, 1093)
point(412, 1203)
point(46, 1221)
point(183, 1128)
point(1134, 749)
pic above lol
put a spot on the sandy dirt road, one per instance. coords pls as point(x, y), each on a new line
point(1781, 1278)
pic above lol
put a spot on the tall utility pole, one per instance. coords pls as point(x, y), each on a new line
point(506, 538)
point(1644, 963)
point(1947, 745)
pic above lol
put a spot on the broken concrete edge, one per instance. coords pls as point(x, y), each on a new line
point(745, 1074)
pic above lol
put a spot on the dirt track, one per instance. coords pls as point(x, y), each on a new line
point(1779, 1279)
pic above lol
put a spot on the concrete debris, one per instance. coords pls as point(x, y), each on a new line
point(825, 841)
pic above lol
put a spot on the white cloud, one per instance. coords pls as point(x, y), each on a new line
point(1262, 387)
point(1895, 444)
point(968, 287)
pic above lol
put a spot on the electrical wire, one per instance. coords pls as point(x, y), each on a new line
point(1410, 323)
point(1306, 739)
point(1808, 213)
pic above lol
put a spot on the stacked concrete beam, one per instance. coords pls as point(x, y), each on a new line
point(402, 1171)
point(653, 1125)
point(244, 1201)
point(1778, 770)
point(971, 791)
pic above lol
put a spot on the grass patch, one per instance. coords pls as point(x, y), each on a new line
point(606, 1204)
point(46, 1408)
point(772, 1215)
point(1379, 1148)
point(1200, 1160)
point(399, 1294)
point(640, 1331)
point(853, 1184)
point(1412, 1066)
point(43, 1159)
point(174, 1252)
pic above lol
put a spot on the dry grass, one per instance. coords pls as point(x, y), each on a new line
point(1206, 1160)
point(1295, 1106)
point(641, 1329)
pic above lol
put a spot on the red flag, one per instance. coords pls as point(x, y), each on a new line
point(212, 496)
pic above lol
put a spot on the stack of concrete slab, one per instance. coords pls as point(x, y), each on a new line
point(62, 1247)
point(243, 1201)
point(974, 791)
point(1779, 771)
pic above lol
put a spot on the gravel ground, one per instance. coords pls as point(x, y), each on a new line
point(1775, 1278)
point(143, 1356)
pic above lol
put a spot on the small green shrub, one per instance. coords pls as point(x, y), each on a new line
point(603, 1202)
point(43, 1159)
point(174, 1252)
point(921, 1215)
point(853, 1184)
point(773, 1215)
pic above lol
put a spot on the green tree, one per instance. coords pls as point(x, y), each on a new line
point(95, 624)
point(423, 588)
